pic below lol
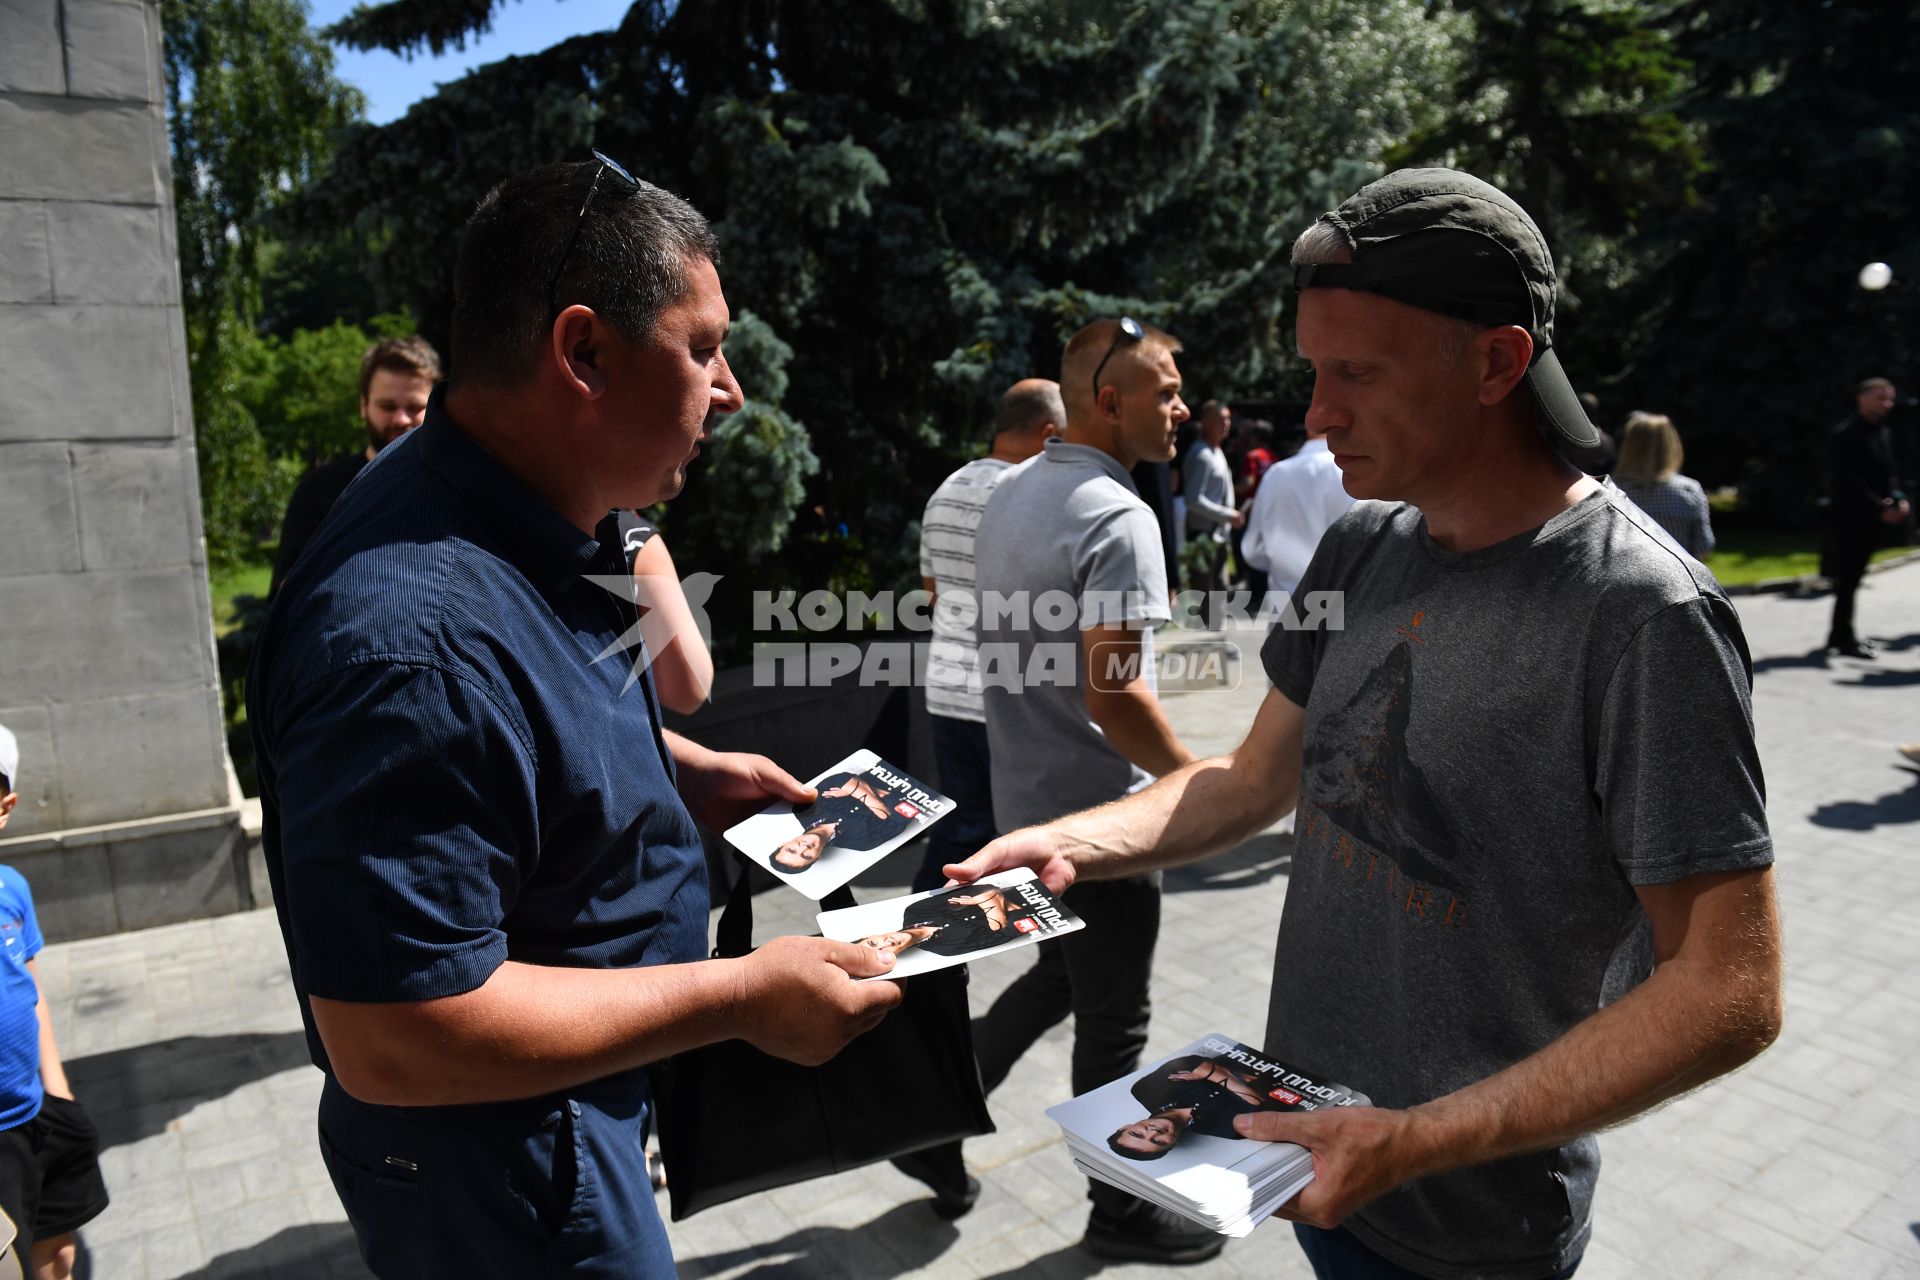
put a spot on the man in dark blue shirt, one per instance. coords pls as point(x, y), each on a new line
point(481, 841)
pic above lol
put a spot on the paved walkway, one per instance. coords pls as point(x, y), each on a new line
point(185, 1042)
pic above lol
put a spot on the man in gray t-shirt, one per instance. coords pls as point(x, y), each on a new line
point(1071, 580)
point(1532, 894)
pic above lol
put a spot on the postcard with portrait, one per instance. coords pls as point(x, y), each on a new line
point(1167, 1132)
point(867, 808)
point(927, 931)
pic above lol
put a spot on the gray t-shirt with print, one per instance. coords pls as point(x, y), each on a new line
point(1065, 543)
point(1499, 745)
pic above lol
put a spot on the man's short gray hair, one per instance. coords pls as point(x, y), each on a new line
point(1320, 244)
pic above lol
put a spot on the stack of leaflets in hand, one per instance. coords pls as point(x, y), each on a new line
point(866, 809)
point(1166, 1133)
point(927, 931)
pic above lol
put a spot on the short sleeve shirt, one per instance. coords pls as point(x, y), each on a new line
point(20, 941)
point(1065, 544)
point(1498, 746)
point(458, 765)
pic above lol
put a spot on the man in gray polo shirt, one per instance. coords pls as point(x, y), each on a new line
point(1072, 579)
point(1532, 895)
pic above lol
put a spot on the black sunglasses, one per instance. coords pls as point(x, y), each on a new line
point(607, 165)
point(1130, 330)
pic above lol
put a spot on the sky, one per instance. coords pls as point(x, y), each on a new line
point(392, 84)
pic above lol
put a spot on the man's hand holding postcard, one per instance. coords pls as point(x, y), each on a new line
point(927, 931)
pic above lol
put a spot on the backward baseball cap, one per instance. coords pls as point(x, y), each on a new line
point(1445, 241)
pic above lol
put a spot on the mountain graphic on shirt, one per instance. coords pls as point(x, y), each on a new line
point(1357, 769)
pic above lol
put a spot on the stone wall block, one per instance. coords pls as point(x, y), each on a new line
point(39, 810)
point(132, 505)
point(148, 755)
point(107, 55)
point(185, 875)
point(136, 632)
point(80, 149)
point(108, 253)
point(81, 637)
point(26, 273)
point(35, 643)
point(72, 892)
point(30, 60)
point(56, 385)
point(39, 528)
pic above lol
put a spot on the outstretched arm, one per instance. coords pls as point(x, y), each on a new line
point(1712, 1003)
point(1195, 811)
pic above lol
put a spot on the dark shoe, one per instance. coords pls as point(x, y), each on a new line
point(1855, 649)
point(1150, 1234)
point(954, 1189)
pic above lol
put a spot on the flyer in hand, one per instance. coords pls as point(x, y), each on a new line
point(927, 931)
point(867, 808)
point(1166, 1133)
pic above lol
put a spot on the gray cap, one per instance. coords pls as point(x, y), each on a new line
point(1445, 241)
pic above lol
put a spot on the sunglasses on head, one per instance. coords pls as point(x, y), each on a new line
point(1130, 330)
point(607, 166)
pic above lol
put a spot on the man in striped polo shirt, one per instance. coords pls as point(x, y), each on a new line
point(1030, 413)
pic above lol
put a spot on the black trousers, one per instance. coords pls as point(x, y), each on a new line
point(1100, 975)
point(1851, 550)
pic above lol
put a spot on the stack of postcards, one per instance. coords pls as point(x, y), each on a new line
point(1166, 1133)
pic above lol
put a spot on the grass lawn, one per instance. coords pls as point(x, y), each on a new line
point(248, 580)
point(1746, 556)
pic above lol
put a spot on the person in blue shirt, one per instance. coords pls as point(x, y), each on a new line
point(50, 1183)
point(480, 838)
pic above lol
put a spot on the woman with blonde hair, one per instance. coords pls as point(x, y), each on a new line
point(1649, 473)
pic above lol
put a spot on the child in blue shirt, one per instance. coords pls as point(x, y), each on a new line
point(50, 1182)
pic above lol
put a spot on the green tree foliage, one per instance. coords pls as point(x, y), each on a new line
point(1751, 329)
point(252, 108)
point(303, 391)
point(919, 201)
point(1571, 107)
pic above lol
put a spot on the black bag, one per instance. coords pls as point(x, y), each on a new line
point(734, 1121)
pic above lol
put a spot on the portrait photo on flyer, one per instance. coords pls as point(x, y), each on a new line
point(866, 809)
point(928, 931)
point(1166, 1133)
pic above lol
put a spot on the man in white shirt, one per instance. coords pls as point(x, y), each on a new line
point(1298, 500)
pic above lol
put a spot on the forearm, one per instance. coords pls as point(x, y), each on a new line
point(1195, 811)
point(1136, 725)
point(53, 1072)
point(528, 1030)
point(1675, 1032)
point(1209, 510)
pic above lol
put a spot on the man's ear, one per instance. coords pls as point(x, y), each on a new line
point(1507, 353)
point(6, 805)
point(577, 347)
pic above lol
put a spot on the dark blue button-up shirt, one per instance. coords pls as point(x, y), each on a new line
point(449, 779)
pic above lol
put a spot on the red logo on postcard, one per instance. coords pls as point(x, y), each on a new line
point(1027, 924)
point(1287, 1096)
point(906, 810)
